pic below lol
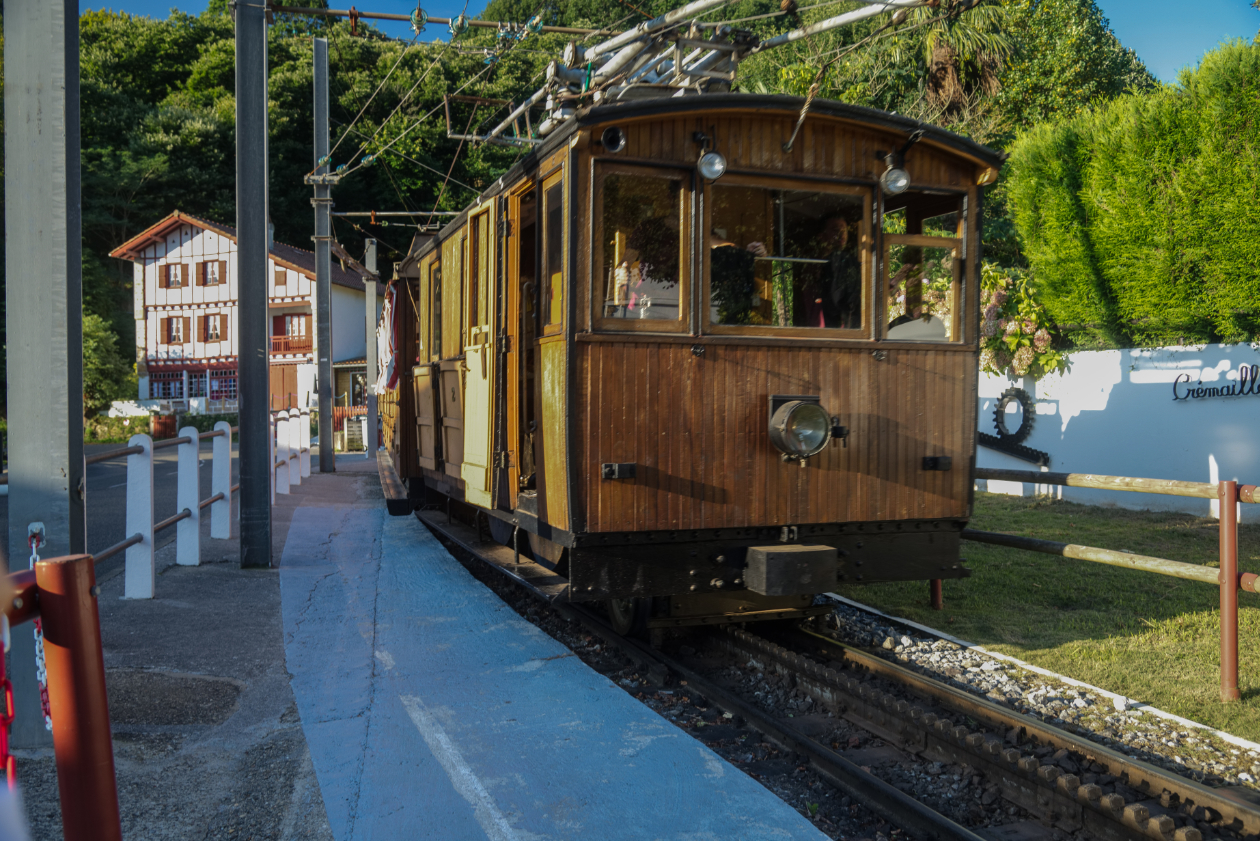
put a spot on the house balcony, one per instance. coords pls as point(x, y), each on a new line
point(291, 344)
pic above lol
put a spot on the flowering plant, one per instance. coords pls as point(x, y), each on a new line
point(1015, 330)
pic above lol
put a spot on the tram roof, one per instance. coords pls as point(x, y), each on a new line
point(748, 102)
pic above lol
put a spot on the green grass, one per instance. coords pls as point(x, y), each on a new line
point(1148, 636)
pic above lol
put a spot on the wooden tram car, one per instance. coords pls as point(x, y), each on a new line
point(706, 389)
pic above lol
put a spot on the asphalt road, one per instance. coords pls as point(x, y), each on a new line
point(107, 497)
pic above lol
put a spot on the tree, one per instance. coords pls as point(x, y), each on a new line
point(107, 375)
point(1138, 217)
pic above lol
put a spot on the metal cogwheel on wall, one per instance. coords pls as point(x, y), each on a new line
point(1025, 425)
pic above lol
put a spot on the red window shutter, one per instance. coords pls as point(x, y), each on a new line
point(164, 331)
point(225, 318)
point(164, 277)
point(223, 271)
point(277, 325)
point(188, 275)
point(187, 337)
point(201, 327)
point(201, 274)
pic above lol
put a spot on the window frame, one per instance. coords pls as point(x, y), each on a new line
point(866, 252)
point(686, 258)
point(924, 241)
point(555, 179)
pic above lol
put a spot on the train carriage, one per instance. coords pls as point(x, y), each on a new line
point(708, 373)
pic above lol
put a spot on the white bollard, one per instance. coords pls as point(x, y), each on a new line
point(304, 441)
point(282, 453)
point(295, 447)
point(221, 482)
point(188, 495)
point(140, 575)
point(271, 448)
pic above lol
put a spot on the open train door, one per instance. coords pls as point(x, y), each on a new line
point(479, 359)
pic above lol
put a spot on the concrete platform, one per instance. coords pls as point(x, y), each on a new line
point(433, 710)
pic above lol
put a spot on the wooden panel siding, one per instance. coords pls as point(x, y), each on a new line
point(826, 146)
point(696, 429)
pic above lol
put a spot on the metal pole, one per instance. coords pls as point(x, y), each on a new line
point(936, 596)
point(323, 264)
point(76, 690)
point(44, 300)
point(369, 344)
point(251, 256)
point(1229, 591)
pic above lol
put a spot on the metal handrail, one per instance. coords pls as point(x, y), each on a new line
point(157, 445)
point(99, 457)
point(1168, 487)
point(118, 547)
point(170, 521)
point(207, 502)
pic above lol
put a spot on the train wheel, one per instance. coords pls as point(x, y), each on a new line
point(629, 616)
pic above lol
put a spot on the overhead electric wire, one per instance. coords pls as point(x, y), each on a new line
point(363, 146)
point(423, 164)
point(401, 56)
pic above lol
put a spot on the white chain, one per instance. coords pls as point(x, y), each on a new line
point(41, 673)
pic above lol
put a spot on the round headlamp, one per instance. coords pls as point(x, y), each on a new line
point(800, 429)
point(712, 165)
point(895, 180)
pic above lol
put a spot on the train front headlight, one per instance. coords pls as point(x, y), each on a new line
point(800, 428)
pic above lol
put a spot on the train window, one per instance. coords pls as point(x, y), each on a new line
point(922, 266)
point(552, 302)
point(787, 258)
point(642, 252)
point(923, 284)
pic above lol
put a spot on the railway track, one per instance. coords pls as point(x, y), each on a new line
point(919, 716)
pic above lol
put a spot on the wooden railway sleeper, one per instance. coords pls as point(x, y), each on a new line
point(1042, 789)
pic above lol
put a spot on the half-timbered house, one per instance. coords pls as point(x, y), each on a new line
point(186, 311)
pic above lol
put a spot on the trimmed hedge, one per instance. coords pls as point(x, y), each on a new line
point(1141, 219)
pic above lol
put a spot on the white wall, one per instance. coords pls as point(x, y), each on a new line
point(348, 330)
point(1113, 413)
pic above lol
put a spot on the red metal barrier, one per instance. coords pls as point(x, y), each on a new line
point(62, 592)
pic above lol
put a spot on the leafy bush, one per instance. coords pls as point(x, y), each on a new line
point(107, 376)
point(1015, 332)
point(1138, 218)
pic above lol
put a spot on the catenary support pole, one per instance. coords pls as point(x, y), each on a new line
point(44, 301)
point(251, 258)
point(369, 345)
point(76, 688)
point(323, 264)
point(1229, 591)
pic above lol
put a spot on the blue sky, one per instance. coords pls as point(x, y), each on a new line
point(1167, 34)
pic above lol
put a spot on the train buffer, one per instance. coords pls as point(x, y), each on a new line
point(433, 710)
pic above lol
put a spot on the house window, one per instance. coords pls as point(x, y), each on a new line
point(175, 275)
point(196, 383)
point(295, 326)
point(213, 327)
point(211, 272)
point(174, 331)
point(280, 277)
point(223, 385)
point(166, 386)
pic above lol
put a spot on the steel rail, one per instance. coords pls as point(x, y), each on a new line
point(891, 715)
point(171, 442)
point(876, 795)
point(484, 24)
point(118, 547)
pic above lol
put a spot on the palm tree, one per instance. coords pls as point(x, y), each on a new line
point(963, 49)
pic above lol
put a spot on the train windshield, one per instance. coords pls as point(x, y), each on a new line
point(641, 235)
point(786, 258)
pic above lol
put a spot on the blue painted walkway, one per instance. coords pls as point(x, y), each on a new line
point(433, 710)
